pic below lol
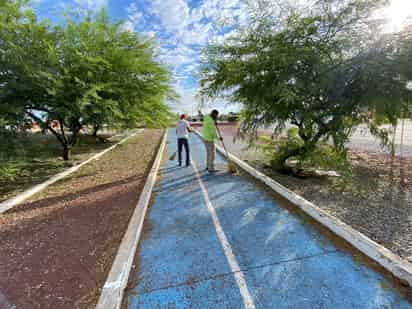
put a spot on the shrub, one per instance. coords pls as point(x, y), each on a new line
point(324, 156)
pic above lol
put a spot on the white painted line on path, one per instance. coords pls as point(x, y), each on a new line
point(231, 258)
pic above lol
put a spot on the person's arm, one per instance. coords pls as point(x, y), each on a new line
point(189, 128)
point(177, 127)
point(216, 131)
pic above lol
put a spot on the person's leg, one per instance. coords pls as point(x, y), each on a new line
point(212, 155)
point(179, 150)
point(210, 148)
point(186, 144)
point(208, 155)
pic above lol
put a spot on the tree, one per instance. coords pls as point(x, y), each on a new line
point(323, 71)
point(84, 74)
point(403, 55)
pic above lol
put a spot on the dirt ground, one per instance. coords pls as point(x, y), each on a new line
point(57, 249)
point(378, 202)
point(37, 157)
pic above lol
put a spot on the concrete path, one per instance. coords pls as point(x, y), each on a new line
point(222, 241)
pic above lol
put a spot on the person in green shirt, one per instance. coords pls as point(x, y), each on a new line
point(209, 136)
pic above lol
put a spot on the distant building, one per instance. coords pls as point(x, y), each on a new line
point(233, 117)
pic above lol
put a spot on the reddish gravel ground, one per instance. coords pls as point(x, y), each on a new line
point(57, 250)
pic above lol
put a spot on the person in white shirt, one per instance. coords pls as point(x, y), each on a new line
point(182, 132)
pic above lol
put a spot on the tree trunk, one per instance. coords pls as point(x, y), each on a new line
point(75, 128)
point(74, 138)
point(75, 135)
point(96, 128)
point(66, 152)
point(60, 137)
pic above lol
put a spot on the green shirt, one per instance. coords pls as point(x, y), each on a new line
point(209, 129)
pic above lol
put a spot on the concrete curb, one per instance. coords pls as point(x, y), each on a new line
point(10, 203)
point(393, 263)
point(116, 282)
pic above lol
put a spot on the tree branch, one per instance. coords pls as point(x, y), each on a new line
point(39, 120)
point(61, 122)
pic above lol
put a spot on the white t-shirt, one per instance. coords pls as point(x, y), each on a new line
point(182, 129)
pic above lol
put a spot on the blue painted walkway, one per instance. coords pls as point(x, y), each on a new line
point(244, 252)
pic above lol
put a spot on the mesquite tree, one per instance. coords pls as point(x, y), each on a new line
point(324, 71)
point(84, 74)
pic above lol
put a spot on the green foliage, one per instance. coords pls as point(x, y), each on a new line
point(17, 152)
point(324, 71)
point(279, 150)
point(9, 171)
point(327, 157)
point(285, 153)
point(85, 74)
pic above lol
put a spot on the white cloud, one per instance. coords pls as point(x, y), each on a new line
point(127, 26)
point(188, 102)
point(173, 14)
point(182, 30)
point(91, 5)
point(134, 17)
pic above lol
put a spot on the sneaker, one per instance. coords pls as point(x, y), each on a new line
point(213, 170)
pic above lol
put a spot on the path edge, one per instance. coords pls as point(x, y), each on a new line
point(14, 201)
point(111, 296)
point(391, 262)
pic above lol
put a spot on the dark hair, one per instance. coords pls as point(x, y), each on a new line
point(182, 116)
point(215, 112)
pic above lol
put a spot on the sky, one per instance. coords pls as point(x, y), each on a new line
point(182, 28)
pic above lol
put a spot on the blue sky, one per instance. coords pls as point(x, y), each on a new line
point(181, 28)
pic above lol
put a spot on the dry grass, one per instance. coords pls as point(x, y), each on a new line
point(33, 158)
